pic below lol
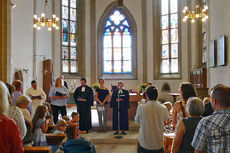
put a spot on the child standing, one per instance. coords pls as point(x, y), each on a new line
point(40, 126)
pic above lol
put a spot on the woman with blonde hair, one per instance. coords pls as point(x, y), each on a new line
point(59, 95)
point(10, 137)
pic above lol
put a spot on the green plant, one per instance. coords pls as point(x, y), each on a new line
point(143, 86)
point(95, 86)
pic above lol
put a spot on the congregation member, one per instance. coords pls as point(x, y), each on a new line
point(36, 94)
point(59, 96)
point(152, 117)
point(75, 122)
point(83, 97)
point(22, 103)
point(60, 127)
point(187, 126)
point(208, 107)
point(179, 111)
point(15, 113)
point(10, 137)
point(18, 90)
point(120, 98)
point(40, 126)
point(102, 95)
point(65, 83)
point(76, 145)
point(168, 126)
point(212, 134)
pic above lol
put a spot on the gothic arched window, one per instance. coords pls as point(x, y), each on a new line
point(170, 40)
point(117, 44)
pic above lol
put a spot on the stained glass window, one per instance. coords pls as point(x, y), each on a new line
point(117, 44)
point(69, 33)
point(170, 39)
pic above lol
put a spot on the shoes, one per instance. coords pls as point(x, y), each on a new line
point(116, 133)
point(124, 133)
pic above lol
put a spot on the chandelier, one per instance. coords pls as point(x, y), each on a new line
point(46, 22)
point(198, 13)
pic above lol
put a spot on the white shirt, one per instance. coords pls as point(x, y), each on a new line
point(26, 115)
point(151, 117)
point(38, 92)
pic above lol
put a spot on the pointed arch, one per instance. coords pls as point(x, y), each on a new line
point(117, 56)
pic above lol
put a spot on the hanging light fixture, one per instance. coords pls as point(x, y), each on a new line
point(49, 23)
point(199, 13)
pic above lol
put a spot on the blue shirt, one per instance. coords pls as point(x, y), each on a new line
point(213, 133)
point(58, 102)
point(15, 96)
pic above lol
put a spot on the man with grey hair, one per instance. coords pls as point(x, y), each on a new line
point(120, 105)
point(213, 132)
point(187, 126)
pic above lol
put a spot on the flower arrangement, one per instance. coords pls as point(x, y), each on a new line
point(95, 86)
point(143, 86)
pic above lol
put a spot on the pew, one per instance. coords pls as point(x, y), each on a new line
point(37, 150)
point(54, 139)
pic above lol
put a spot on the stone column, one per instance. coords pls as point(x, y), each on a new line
point(5, 40)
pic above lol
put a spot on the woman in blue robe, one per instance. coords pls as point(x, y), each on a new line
point(120, 96)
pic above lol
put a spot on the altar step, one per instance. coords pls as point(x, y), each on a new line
point(109, 138)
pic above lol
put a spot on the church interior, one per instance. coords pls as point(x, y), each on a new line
point(162, 42)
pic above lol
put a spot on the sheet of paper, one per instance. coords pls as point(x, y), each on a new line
point(101, 108)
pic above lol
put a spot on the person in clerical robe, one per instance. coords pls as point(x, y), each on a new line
point(83, 97)
point(120, 96)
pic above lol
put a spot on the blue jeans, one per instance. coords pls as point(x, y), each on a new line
point(143, 150)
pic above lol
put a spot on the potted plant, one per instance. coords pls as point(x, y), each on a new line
point(95, 86)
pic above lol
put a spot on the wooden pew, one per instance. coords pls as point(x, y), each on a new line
point(54, 139)
point(37, 150)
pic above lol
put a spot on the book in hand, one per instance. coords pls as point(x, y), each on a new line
point(37, 97)
point(59, 94)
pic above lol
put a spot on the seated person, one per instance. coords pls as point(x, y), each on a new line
point(208, 107)
point(75, 122)
point(60, 127)
point(168, 126)
point(23, 103)
point(78, 145)
point(187, 126)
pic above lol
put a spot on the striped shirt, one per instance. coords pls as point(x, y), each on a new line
point(213, 133)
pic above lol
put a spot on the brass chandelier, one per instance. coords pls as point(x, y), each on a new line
point(198, 13)
point(46, 22)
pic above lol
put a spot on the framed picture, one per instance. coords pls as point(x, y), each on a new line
point(221, 52)
point(212, 53)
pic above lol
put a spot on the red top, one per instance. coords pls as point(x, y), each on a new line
point(10, 136)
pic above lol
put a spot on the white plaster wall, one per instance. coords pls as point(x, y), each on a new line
point(43, 41)
point(22, 39)
point(219, 25)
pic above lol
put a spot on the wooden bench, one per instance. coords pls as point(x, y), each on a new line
point(54, 139)
point(37, 150)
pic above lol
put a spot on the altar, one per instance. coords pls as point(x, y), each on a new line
point(134, 98)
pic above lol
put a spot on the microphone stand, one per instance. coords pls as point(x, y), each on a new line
point(119, 136)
